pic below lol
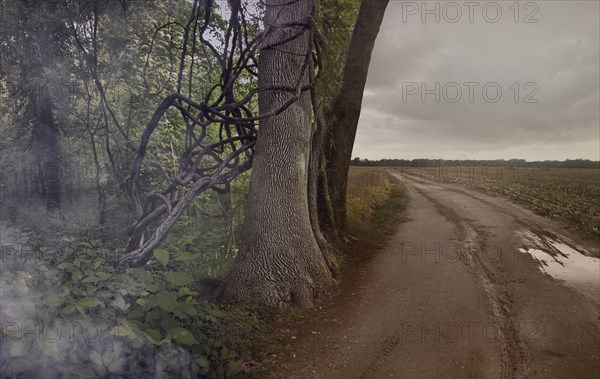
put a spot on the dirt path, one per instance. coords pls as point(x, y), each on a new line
point(471, 286)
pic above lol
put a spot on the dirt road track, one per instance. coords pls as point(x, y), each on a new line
point(472, 286)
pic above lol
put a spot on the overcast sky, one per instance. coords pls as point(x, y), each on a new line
point(555, 61)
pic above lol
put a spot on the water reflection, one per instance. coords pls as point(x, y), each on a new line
point(560, 260)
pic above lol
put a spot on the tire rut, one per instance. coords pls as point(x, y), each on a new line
point(516, 360)
point(387, 348)
point(526, 224)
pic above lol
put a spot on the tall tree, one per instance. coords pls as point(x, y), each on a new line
point(336, 22)
point(279, 260)
point(101, 33)
point(283, 257)
point(342, 116)
point(32, 38)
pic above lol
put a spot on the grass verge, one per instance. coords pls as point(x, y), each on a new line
point(376, 204)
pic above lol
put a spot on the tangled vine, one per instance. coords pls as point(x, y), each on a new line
point(205, 163)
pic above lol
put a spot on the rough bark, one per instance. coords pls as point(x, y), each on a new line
point(280, 262)
point(344, 113)
point(325, 206)
point(315, 165)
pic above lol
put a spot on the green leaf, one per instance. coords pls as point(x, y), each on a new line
point(183, 291)
point(216, 313)
point(203, 362)
point(152, 288)
point(120, 302)
point(88, 302)
point(96, 357)
point(162, 256)
point(180, 278)
point(54, 300)
point(22, 286)
point(116, 365)
point(103, 275)
point(211, 318)
point(123, 330)
point(91, 279)
point(187, 308)
point(66, 266)
point(76, 276)
point(136, 314)
point(85, 244)
point(153, 336)
point(142, 275)
point(167, 323)
point(166, 300)
point(183, 335)
point(107, 356)
point(67, 310)
point(89, 272)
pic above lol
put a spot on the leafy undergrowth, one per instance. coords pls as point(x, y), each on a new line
point(71, 311)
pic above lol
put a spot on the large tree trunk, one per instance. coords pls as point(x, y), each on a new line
point(279, 261)
point(342, 117)
point(48, 152)
point(34, 66)
point(316, 167)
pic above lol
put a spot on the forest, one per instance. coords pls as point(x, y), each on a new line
point(171, 170)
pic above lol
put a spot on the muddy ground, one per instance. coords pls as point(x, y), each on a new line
point(471, 286)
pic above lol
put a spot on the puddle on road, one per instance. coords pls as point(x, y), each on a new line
point(565, 263)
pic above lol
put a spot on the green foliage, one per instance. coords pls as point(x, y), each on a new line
point(104, 86)
point(336, 20)
point(115, 321)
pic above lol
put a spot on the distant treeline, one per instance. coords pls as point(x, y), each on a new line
point(423, 162)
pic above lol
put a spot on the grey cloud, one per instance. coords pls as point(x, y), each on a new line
point(560, 55)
